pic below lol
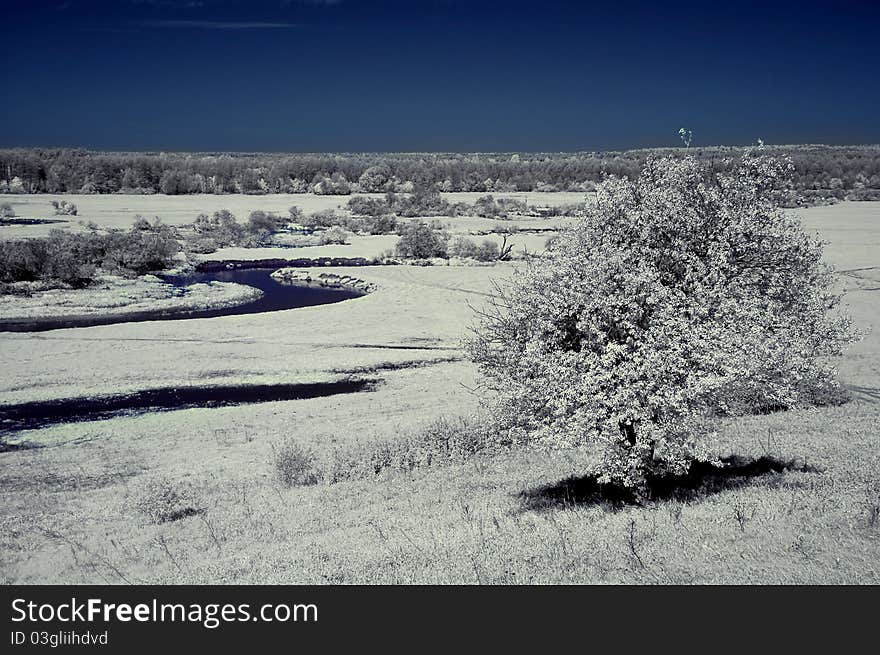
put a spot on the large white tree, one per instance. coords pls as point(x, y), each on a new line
point(684, 294)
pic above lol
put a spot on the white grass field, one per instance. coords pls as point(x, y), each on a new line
point(69, 507)
point(119, 210)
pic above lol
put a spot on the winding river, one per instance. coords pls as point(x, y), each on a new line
point(276, 296)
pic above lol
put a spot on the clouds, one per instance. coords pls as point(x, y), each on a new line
point(219, 25)
point(172, 4)
point(194, 4)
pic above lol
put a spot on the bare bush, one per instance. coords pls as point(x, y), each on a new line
point(162, 500)
point(293, 465)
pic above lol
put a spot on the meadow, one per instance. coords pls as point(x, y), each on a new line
point(800, 503)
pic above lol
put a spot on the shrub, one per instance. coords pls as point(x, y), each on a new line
point(363, 206)
point(6, 210)
point(61, 257)
point(140, 250)
point(333, 236)
point(73, 259)
point(375, 178)
point(204, 224)
point(489, 207)
point(175, 182)
point(202, 245)
point(64, 208)
point(577, 209)
point(487, 251)
point(425, 200)
point(442, 441)
point(141, 224)
point(69, 259)
point(296, 215)
point(683, 295)
point(382, 225)
point(335, 185)
point(163, 501)
point(298, 185)
point(293, 465)
point(419, 241)
point(260, 221)
point(463, 247)
point(324, 218)
point(222, 228)
point(864, 195)
point(261, 226)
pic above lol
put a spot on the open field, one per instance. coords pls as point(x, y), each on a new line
point(118, 210)
point(69, 507)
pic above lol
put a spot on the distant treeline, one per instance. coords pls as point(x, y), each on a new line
point(835, 171)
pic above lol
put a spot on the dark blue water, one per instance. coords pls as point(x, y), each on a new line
point(38, 414)
point(276, 296)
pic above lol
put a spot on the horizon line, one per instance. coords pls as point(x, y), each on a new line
point(436, 152)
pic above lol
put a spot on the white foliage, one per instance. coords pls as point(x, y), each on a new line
point(682, 295)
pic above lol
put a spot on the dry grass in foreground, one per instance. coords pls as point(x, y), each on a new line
point(513, 517)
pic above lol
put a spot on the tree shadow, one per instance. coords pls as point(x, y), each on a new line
point(703, 479)
point(181, 513)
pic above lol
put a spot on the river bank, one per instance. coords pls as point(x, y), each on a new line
point(115, 295)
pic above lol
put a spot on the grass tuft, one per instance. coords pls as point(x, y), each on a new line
point(163, 501)
point(294, 466)
point(443, 441)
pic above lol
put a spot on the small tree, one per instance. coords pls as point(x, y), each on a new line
point(363, 206)
point(295, 215)
point(382, 225)
point(683, 295)
point(263, 222)
point(420, 241)
point(375, 178)
point(175, 182)
point(486, 207)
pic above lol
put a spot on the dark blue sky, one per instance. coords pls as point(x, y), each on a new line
point(436, 75)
